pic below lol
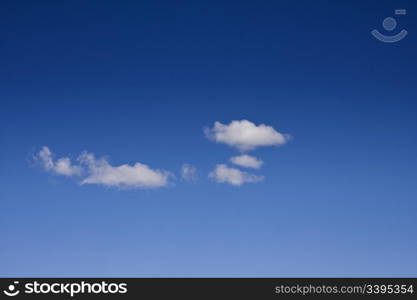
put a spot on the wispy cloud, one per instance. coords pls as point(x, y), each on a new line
point(100, 171)
point(233, 176)
point(126, 176)
point(245, 135)
point(188, 172)
point(62, 166)
point(247, 161)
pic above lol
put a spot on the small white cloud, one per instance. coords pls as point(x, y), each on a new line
point(247, 161)
point(245, 135)
point(62, 166)
point(124, 176)
point(99, 171)
point(233, 176)
point(188, 172)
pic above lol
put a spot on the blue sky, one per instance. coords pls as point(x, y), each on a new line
point(138, 81)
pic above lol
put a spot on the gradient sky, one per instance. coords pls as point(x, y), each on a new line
point(137, 81)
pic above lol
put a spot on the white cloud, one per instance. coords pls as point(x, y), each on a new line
point(127, 176)
point(233, 176)
point(62, 166)
point(99, 171)
point(245, 135)
point(247, 161)
point(188, 172)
